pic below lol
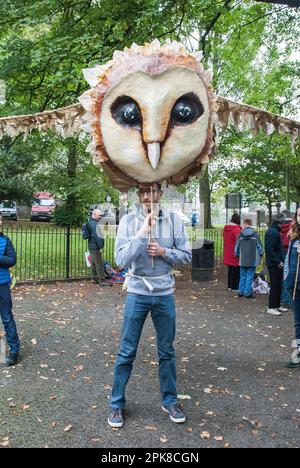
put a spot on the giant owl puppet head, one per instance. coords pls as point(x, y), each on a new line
point(151, 112)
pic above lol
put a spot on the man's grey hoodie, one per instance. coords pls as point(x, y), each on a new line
point(249, 248)
point(131, 252)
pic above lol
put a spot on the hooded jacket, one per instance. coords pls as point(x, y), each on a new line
point(230, 235)
point(8, 258)
point(275, 254)
point(284, 230)
point(131, 252)
point(249, 248)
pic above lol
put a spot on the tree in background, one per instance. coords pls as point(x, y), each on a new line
point(44, 45)
point(18, 162)
point(255, 167)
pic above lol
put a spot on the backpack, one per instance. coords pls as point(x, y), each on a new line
point(85, 231)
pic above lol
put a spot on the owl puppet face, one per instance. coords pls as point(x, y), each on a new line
point(151, 114)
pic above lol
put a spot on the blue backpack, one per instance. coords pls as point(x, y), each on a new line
point(85, 231)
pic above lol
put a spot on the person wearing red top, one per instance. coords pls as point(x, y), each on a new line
point(284, 233)
point(230, 234)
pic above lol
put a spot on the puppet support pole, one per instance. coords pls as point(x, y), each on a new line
point(150, 229)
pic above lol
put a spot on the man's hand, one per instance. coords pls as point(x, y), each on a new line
point(298, 249)
point(155, 250)
point(149, 222)
point(281, 265)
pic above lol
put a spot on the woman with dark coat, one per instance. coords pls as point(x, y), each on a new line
point(230, 235)
point(275, 262)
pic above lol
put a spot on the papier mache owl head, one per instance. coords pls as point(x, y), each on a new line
point(151, 112)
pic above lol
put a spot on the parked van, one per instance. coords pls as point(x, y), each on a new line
point(8, 209)
point(43, 207)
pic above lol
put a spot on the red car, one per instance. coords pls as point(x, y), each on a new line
point(43, 207)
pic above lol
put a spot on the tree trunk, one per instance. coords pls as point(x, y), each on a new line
point(270, 211)
point(297, 194)
point(71, 201)
point(205, 202)
point(287, 195)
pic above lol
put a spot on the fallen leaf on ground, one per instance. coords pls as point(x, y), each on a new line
point(54, 424)
point(4, 442)
point(184, 397)
point(223, 391)
point(151, 428)
point(68, 428)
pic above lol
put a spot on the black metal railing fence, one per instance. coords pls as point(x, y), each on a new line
point(53, 253)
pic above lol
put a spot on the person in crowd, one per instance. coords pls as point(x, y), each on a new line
point(194, 219)
point(292, 284)
point(8, 259)
point(275, 256)
point(250, 251)
point(96, 244)
point(230, 235)
point(149, 242)
point(284, 233)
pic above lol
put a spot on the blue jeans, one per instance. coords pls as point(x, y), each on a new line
point(285, 297)
point(296, 310)
point(163, 315)
point(8, 319)
point(246, 281)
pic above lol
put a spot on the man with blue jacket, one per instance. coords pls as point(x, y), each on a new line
point(149, 243)
point(250, 251)
point(7, 260)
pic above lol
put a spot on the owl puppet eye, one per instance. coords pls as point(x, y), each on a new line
point(186, 110)
point(126, 112)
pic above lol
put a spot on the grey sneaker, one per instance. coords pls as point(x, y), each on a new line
point(115, 417)
point(12, 359)
point(176, 415)
point(295, 359)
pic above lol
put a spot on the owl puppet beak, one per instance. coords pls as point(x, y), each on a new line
point(153, 154)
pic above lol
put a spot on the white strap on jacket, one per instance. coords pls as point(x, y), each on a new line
point(143, 278)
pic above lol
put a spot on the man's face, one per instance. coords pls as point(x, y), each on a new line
point(96, 215)
point(145, 196)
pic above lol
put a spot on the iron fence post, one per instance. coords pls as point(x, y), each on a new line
point(68, 243)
